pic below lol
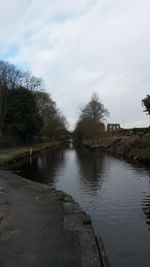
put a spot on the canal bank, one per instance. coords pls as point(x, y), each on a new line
point(9, 156)
point(40, 226)
point(132, 148)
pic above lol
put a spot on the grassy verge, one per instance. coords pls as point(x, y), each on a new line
point(9, 156)
point(133, 147)
point(141, 154)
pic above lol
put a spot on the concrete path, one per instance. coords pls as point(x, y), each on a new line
point(41, 227)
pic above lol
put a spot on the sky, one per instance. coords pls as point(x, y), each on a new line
point(81, 47)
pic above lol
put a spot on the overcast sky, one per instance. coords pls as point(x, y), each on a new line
point(80, 47)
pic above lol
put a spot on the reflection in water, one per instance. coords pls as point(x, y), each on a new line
point(90, 169)
point(146, 204)
point(114, 193)
point(43, 168)
point(146, 210)
point(146, 200)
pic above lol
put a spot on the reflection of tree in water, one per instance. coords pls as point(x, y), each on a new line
point(146, 202)
point(42, 168)
point(144, 171)
point(91, 167)
point(146, 210)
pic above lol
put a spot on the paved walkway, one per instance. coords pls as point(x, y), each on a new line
point(40, 227)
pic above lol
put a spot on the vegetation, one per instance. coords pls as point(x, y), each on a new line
point(54, 123)
point(146, 103)
point(21, 119)
point(91, 121)
point(27, 113)
point(10, 155)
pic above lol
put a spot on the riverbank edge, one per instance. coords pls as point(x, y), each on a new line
point(11, 155)
point(133, 148)
point(75, 219)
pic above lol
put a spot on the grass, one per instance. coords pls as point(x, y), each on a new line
point(132, 147)
point(140, 153)
point(11, 155)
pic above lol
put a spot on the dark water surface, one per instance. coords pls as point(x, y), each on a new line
point(113, 192)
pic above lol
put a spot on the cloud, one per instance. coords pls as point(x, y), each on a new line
point(81, 47)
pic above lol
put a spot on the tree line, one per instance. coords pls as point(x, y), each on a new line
point(27, 113)
point(90, 125)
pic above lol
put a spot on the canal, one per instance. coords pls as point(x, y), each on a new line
point(114, 193)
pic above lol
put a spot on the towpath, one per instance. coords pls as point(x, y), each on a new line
point(41, 227)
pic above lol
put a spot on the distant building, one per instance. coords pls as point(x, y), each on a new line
point(112, 127)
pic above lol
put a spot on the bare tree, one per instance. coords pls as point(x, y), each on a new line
point(54, 123)
point(14, 83)
point(10, 78)
point(91, 121)
point(32, 82)
point(94, 110)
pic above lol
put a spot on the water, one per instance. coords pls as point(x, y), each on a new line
point(113, 192)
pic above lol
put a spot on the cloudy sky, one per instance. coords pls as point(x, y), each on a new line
point(80, 47)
